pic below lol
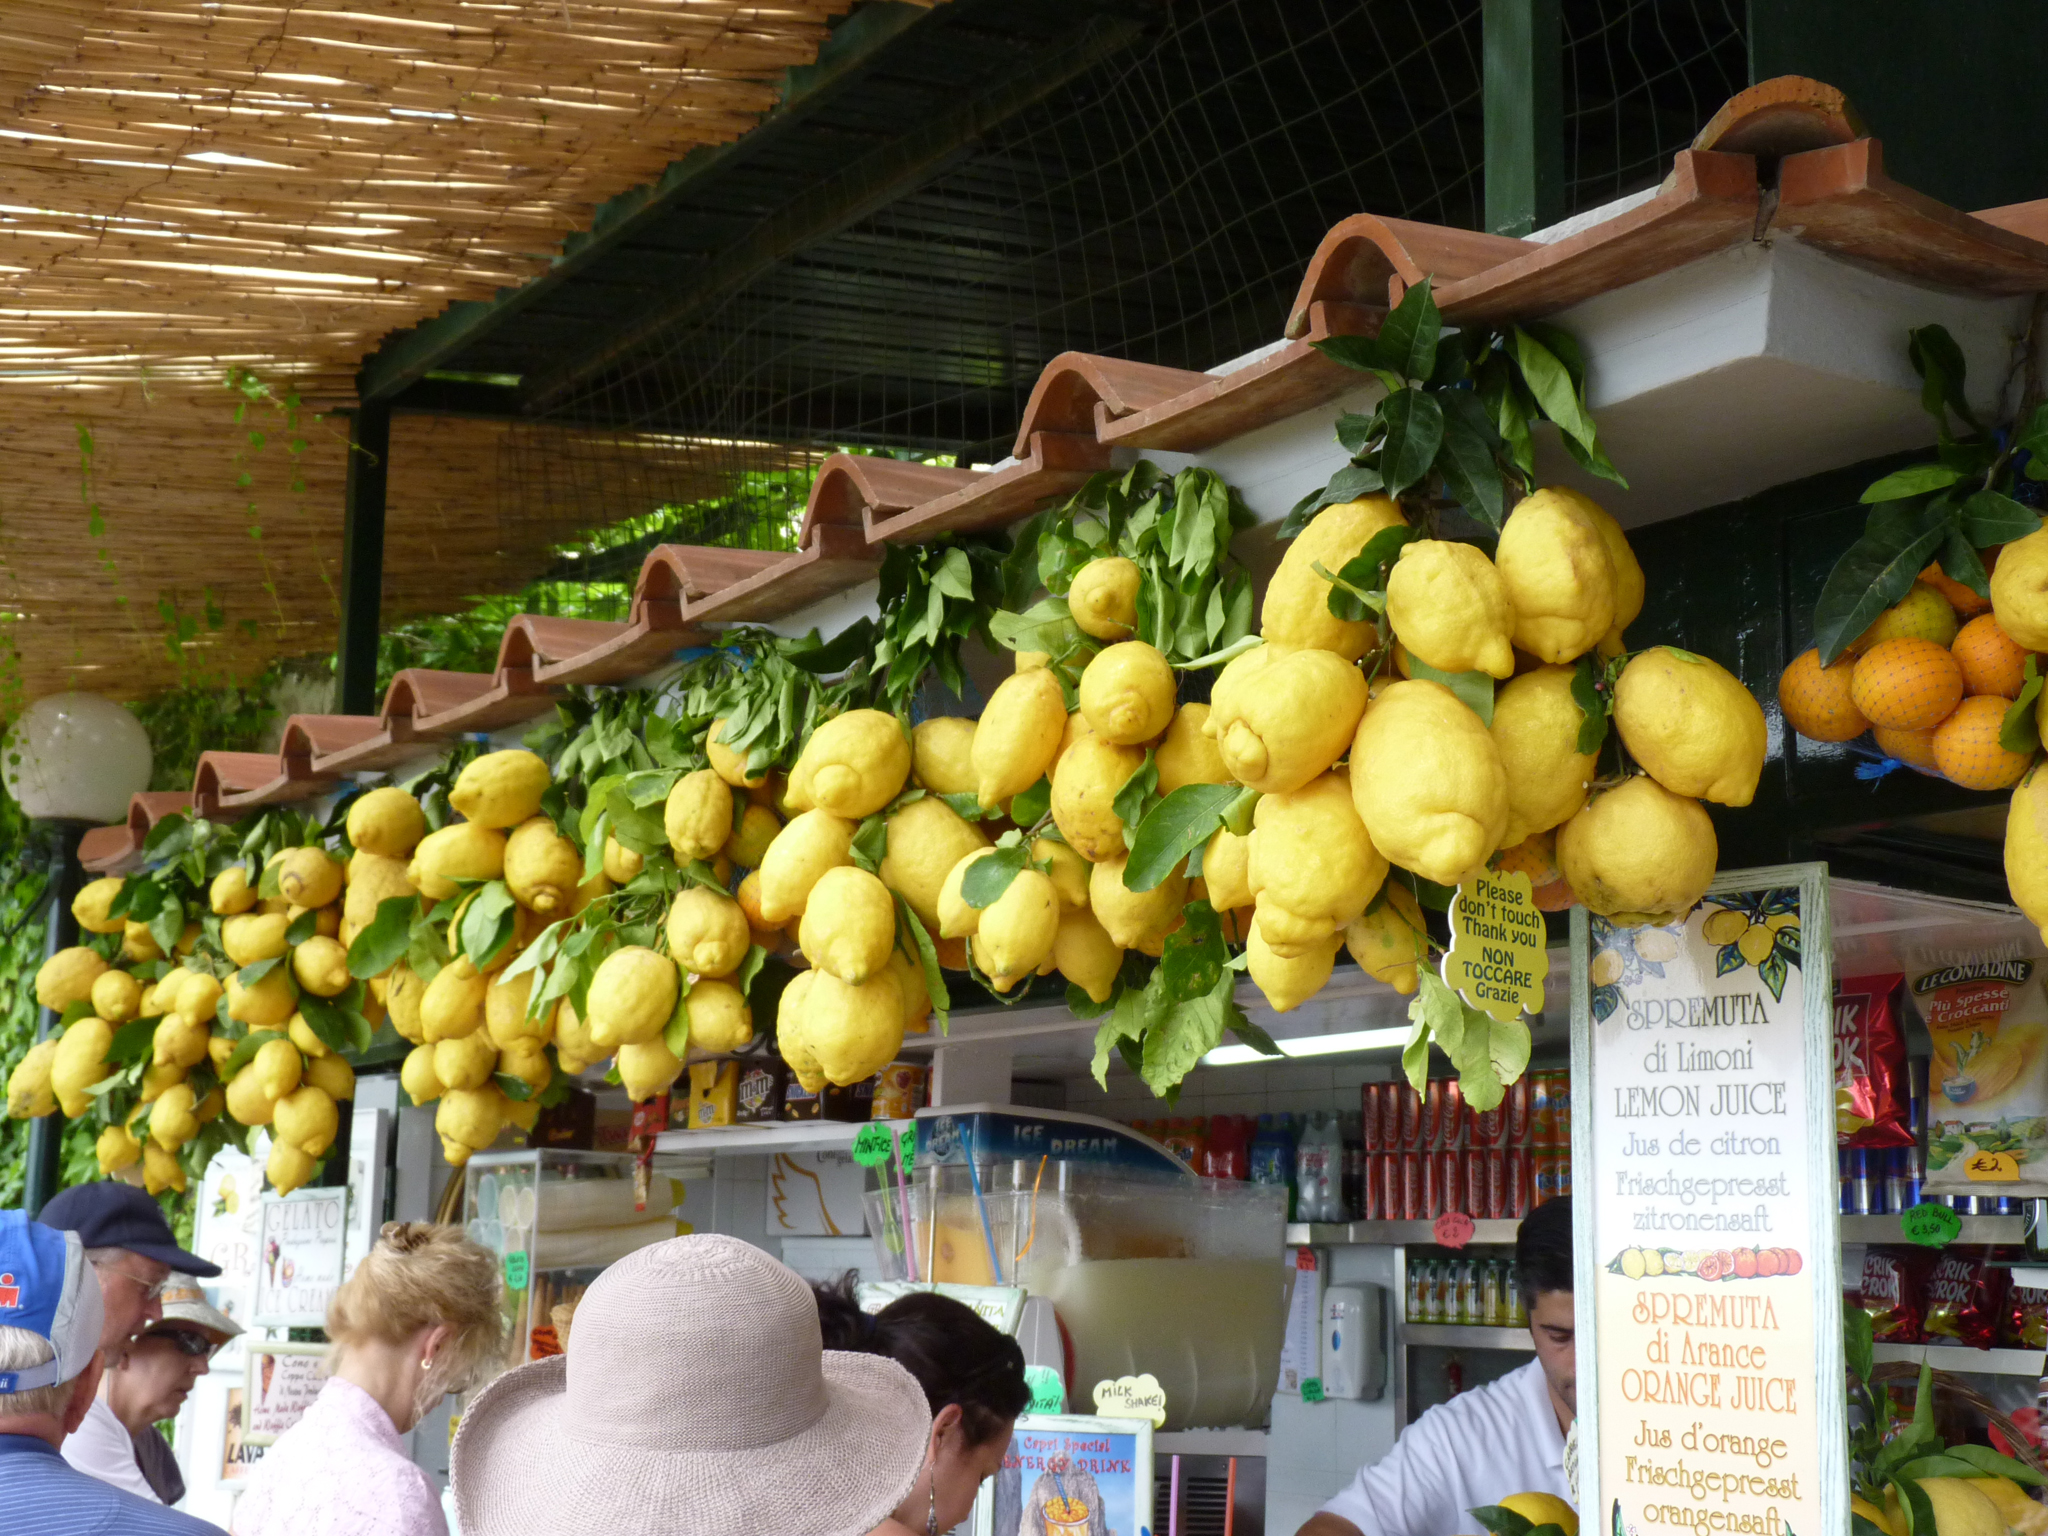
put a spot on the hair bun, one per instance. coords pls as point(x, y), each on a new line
point(406, 1236)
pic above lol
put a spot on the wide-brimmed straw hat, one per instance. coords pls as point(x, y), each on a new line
point(696, 1399)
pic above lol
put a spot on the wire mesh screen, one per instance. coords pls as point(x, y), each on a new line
point(1641, 78)
point(1160, 206)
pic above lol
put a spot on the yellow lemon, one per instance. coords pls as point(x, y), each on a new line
point(416, 1076)
point(942, 755)
point(926, 839)
point(1127, 693)
point(1691, 725)
point(1018, 735)
point(648, 1068)
point(307, 877)
point(1085, 953)
point(720, 1020)
point(80, 1061)
point(67, 977)
point(750, 840)
point(707, 931)
point(1389, 940)
point(1134, 919)
point(1428, 782)
point(1297, 607)
point(1450, 608)
point(90, 905)
point(267, 1004)
point(505, 1012)
point(1188, 754)
point(631, 997)
point(853, 1031)
point(1309, 856)
point(116, 1149)
point(1085, 783)
point(527, 1060)
point(307, 1119)
point(1288, 981)
point(178, 1042)
point(2022, 1516)
point(698, 815)
point(917, 997)
point(463, 850)
point(2026, 851)
point(1281, 716)
point(500, 789)
point(790, 1036)
point(466, 1061)
point(29, 1094)
point(173, 1117)
point(728, 762)
point(403, 994)
point(849, 925)
point(472, 1117)
point(386, 822)
point(1960, 1507)
point(255, 937)
point(1017, 929)
point(231, 893)
point(1638, 852)
point(1553, 558)
point(1543, 1509)
point(116, 996)
point(542, 868)
point(856, 763)
point(453, 1003)
point(373, 879)
point(321, 966)
point(287, 1168)
point(621, 864)
point(1068, 870)
point(1226, 870)
point(810, 844)
point(1104, 598)
point(332, 1076)
point(161, 1170)
point(1536, 724)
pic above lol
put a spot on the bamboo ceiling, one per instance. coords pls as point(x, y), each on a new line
point(189, 186)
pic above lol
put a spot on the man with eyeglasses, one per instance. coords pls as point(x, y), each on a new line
point(132, 1250)
point(147, 1381)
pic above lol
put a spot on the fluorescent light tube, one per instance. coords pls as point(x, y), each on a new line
point(1312, 1045)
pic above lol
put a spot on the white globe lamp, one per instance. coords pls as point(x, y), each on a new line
point(76, 757)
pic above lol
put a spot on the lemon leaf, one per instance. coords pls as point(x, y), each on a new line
point(302, 927)
point(926, 954)
point(1913, 480)
point(990, 875)
point(487, 923)
point(871, 844)
point(240, 1056)
point(1875, 572)
point(513, 1087)
point(1467, 460)
point(1593, 710)
point(2019, 731)
point(1991, 518)
point(1174, 828)
point(1029, 806)
point(1415, 430)
point(1136, 797)
point(1473, 689)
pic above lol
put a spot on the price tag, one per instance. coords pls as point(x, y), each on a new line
point(1305, 1260)
point(1132, 1397)
point(1453, 1229)
point(1992, 1168)
point(1048, 1392)
point(1931, 1225)
point(906, 1144)
point(871, 1148)
point(517, 1267)
point(1312, 1390)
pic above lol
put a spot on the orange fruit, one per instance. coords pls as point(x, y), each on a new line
point(1991, 663)
point(1909, 685)
point(1913, 748)
point(1816, 699)
point(1922, 614)
point(1535, 856)
point(1966, 746)
point(1960, 597)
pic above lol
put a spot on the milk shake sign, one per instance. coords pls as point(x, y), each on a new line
point(1698, 1220)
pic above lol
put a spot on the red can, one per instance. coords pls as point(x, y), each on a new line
point(1490, 1126)
point(1520, 1182)
point(1452, 1133)
point(1542, 1111)
point(1414, 1198)
point(1548, 1164)
point(1449, 1195)
point(1561, 1106)
point(1409, 1104)
point(1520, 1105)
point(1493, 1166)
point(1378, 1176)
point(1369, 1096)
point(1433, 1100)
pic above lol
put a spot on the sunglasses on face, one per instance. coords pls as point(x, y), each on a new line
point(184, 1340)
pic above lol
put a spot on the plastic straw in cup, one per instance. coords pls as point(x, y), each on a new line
point(903, 1200)
point(988, 1232)
point(1173, 1499)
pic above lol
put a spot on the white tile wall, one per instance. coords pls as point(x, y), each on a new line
point(1252, 1089)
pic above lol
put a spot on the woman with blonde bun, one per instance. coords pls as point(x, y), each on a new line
point(417, 1320)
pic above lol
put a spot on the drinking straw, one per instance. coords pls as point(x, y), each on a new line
point(1032, 1237)
point(931, 1252)
point(1173, 1498)
point(903, 1200)
point(1230, 1498)
point(988, 1232)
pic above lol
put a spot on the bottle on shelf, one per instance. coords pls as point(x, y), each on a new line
point(1272, 1157)
point(1319, 1171)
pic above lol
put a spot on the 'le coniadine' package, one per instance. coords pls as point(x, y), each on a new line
point(1986, 1012)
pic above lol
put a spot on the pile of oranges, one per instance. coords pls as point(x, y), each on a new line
point(1931, 681)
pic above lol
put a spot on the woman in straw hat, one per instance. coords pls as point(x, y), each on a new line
point(973, 1380)
point(696, 1399)
point(417, 1320)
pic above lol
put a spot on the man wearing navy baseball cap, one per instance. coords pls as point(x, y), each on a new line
point(131, 1249)
point(51, 1319)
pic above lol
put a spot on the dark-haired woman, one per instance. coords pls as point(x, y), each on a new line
point(973, 1378)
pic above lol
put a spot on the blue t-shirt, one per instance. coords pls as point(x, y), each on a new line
point(44, 1495)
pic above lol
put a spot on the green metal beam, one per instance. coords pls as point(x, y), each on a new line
point(1523, 44)
point(362, 557)
point(845, 57)
point(865, 186)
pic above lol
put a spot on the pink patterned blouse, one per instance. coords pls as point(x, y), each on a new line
point(341, 1470)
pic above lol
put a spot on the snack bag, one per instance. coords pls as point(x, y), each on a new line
point(1987, 1015)
point(2026, 1319)
point(1893, 1292)
point(1870, 1063)
point(1966, 1298)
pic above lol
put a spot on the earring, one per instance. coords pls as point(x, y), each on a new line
point(931, 1519)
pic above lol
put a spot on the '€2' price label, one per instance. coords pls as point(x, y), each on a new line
point(1992, 1168)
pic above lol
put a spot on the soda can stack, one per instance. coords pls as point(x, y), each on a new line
point(1430, 1153)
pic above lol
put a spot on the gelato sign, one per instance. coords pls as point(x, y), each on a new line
point(1703, 1051)
point(300, 1243)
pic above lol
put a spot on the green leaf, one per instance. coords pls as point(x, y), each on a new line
point(1347, 600)
point(302, 927)
point(1217, 658)
point(1174, 828)
point(750, 967)
point(2020, 730)
point(168, 926)
point(1029, 808)
point(487, 923)
point(1550, 383)
point(1502, 1521)
point(1473, 689)
point(1127, 1021)
point(249, 975)
point(1986, 1462)
point(1363, 353)
point(1415, 430)
point(337, 1028)
point(990, 875)
point(1939, 362)
point(1858, 1346)
point(1187, 1033)
point(1913, 480)
point(1408, 336)
point(967, 805)
point(1136, 796)
point(1960, 562)
point(1593, 711)
point(1990, 518)
point(926, 953)
point(1348, 484)
point(1875, 572)
point(244, 1049)
point(132, 1041)
point(1467, 461)
point(383, 943)
point(513, 1087)
point(871, 841)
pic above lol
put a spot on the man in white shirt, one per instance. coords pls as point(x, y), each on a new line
point(1503, 1438)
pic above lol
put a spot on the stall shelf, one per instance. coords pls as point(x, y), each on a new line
point(1389, 1234)
point(1464, 1336)
point(1975, 1229)
point(774, 1136)
point(1962, 1360)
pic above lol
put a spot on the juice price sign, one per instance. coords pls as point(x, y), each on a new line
point(1704, 1048)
